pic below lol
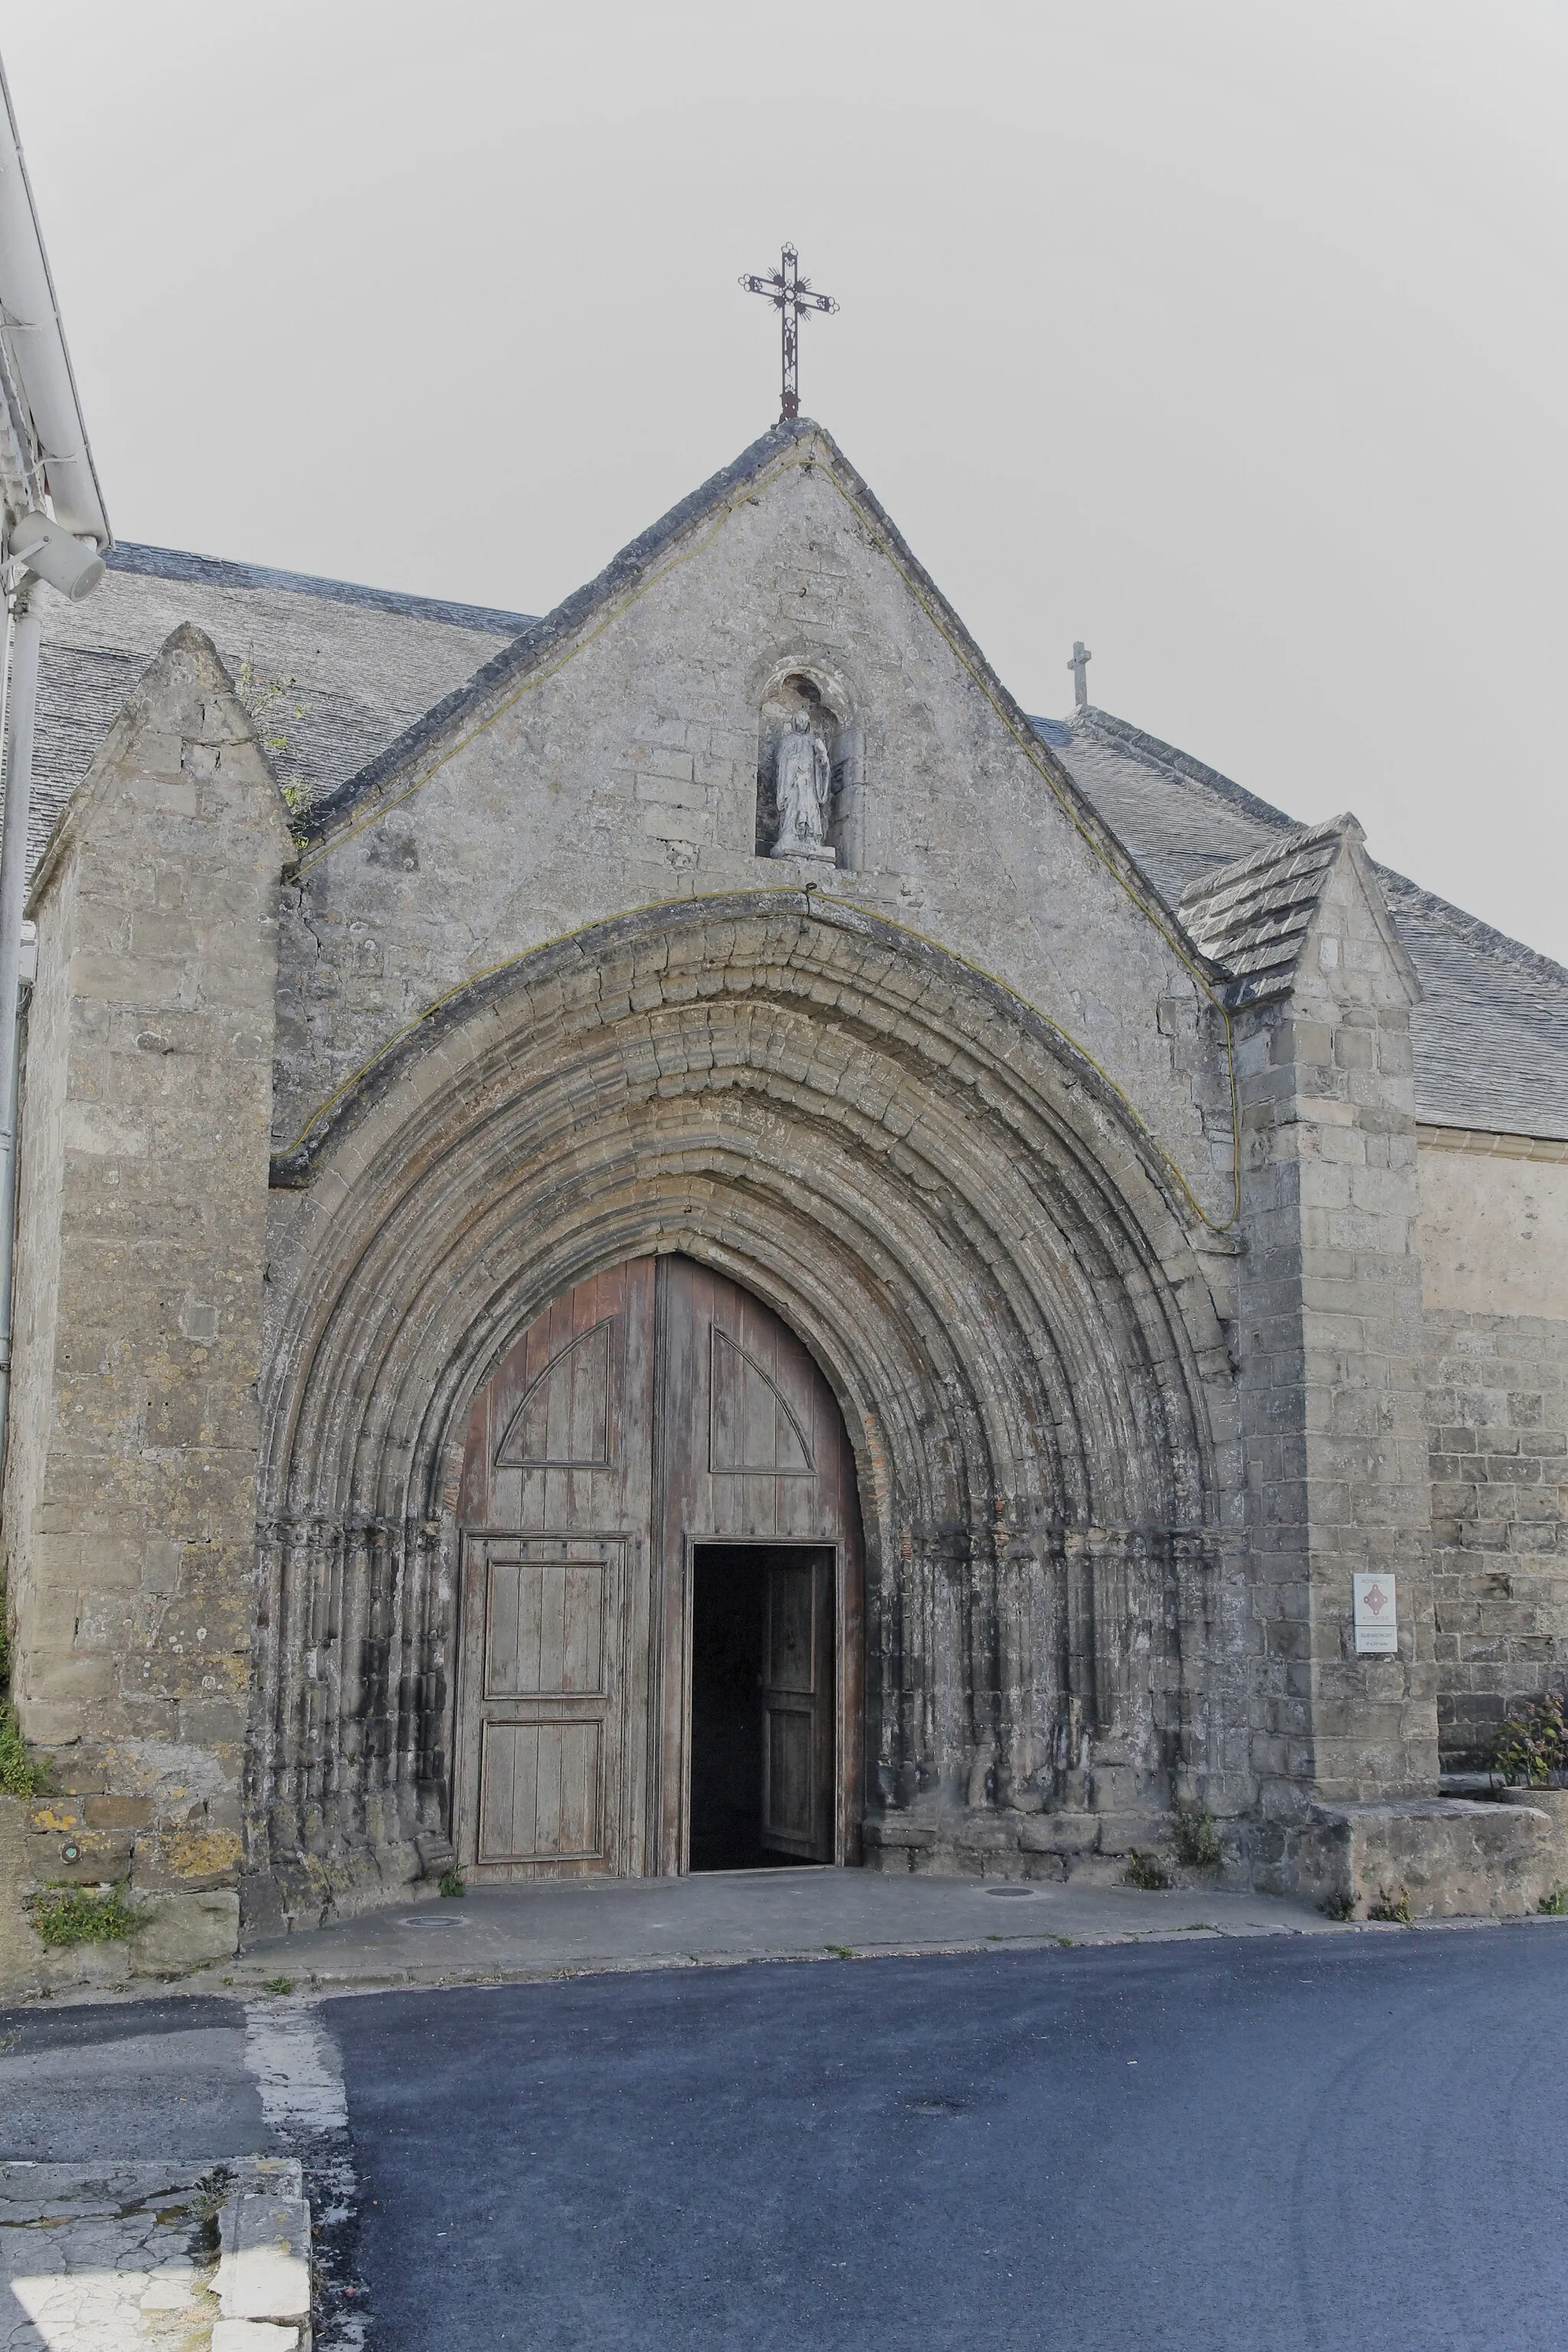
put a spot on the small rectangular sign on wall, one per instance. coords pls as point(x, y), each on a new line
point(1376, 1618)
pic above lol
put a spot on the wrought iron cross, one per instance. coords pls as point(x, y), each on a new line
point(792, 297)
point(1082, 657)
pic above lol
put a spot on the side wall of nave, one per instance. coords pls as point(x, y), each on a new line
point(1494, 1240)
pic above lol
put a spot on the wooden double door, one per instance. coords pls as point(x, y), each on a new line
point(661, 1624)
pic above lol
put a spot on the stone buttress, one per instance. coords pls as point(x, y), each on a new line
point(130, 1489)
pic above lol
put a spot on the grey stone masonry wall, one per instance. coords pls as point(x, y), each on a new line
point(129, 1503)
point(1331, 1343)
point(611, 762)
point(1496, 1416)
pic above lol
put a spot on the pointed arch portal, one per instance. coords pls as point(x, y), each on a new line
point(941, 1206)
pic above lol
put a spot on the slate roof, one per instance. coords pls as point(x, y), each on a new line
point(348, 680)
point(333, 671)
point(1491, 1033)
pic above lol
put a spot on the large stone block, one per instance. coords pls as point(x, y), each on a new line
point(186, 1931)
point(1443, 1857)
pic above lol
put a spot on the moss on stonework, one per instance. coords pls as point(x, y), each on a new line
point(84, 1915)
point(19, 1776)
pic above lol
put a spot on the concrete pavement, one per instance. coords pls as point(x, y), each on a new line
point(724, 1918)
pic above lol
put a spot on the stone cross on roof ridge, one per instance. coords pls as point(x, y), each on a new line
point(1082, 657)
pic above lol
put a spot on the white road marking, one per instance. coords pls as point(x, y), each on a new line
point(294, 2062)
point(296, 2067)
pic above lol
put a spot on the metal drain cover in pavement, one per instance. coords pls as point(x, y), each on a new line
point(1030, 1891)
point(423, 1919)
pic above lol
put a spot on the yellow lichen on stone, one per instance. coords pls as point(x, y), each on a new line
point(201, 1853)
point(62, 1819)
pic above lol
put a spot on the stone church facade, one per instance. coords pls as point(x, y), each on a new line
point(514, 1246)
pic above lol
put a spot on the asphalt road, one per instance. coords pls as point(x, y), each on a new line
point(161, 2079)
point(1323, 2146)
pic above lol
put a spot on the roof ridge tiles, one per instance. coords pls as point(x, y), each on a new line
point(220, 571)
point(1150, 751)
point(1485, 938)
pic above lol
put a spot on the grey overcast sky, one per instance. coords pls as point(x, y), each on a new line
point(1230, 335)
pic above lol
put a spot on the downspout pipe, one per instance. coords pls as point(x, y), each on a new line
point(21, 703)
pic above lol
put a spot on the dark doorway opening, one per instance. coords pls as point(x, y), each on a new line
point(761, 1706)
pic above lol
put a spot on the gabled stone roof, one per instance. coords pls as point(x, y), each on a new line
point(1490, 1031)
point(1180, 819)
point(1252, 918)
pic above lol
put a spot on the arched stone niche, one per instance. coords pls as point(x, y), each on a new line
point(793, 688)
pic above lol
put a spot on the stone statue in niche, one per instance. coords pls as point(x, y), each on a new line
point(802, 778)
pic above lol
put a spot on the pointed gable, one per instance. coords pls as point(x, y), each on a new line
point(1252, 917)
point(622, 753)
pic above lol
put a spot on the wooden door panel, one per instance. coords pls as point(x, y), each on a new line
point(752, 1448)
point(799, 1742)
point(546, 1631)
point(789, 1791)
point(791, 1661)
point(565, 1419)
point(545, 1704)
point(752, 1427)
point(540, 1794)
point(554, 1677)
point(560, 1434)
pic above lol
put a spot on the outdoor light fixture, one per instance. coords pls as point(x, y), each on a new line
point(55, 556)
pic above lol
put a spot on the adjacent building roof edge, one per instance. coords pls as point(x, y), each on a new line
point(1135, 743)
point(215, 571)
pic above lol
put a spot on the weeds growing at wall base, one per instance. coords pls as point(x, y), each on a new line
point(84, 1915)
point(19, 1776)
point(1394, 1910)
point(1198, 1841)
